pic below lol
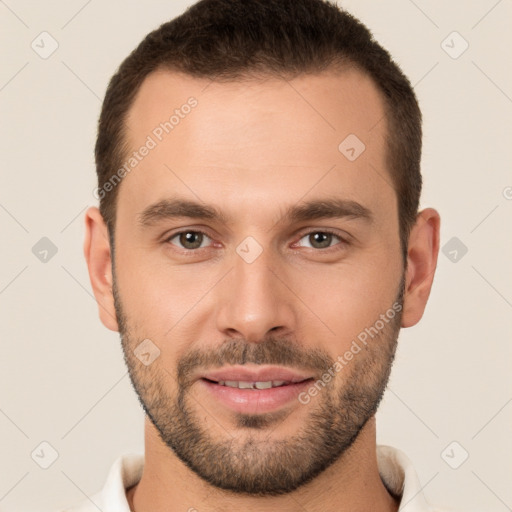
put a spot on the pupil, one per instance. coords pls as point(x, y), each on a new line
point(322, 239)
point(187, 240)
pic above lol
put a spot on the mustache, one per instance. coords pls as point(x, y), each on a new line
point(272, 351)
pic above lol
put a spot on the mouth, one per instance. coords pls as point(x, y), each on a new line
point(261, 390)
point(253, 385)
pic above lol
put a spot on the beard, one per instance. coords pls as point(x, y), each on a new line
point(247, 459)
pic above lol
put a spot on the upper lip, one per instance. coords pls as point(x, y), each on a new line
point(261, 374)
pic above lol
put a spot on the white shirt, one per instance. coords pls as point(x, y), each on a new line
point(396, 471)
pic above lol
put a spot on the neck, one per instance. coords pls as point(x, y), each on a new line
point(352, 484)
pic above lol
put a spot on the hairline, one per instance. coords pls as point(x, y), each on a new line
point(336, 67)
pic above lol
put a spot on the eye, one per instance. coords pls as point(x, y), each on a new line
point(189, 239)
point(322, 239)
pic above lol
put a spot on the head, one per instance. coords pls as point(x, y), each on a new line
point(266, 215)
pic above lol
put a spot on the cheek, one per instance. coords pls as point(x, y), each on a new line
point(347, 300)
point(160, 298)
point(143, 289)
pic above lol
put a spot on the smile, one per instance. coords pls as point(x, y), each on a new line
point(253, 385)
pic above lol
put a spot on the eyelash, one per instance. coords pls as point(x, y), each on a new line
point(191, 252)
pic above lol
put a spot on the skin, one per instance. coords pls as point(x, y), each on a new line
point(253, 150)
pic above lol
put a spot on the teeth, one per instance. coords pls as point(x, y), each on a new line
point(252, 385)
point(263, 385)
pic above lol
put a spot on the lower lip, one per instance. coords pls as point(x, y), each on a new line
point(254, 401)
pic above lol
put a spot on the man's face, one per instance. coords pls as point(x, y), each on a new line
point(258, 289)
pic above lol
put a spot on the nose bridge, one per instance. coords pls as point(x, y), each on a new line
point(253, 300)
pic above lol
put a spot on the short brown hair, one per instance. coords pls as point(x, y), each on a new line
point(228, 40)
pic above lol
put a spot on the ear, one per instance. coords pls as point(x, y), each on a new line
point(422, 255)
point(99, 262)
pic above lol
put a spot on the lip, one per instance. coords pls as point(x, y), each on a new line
point(257, 374)
point(255, 401)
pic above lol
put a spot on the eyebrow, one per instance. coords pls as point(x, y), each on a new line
point(328, 208)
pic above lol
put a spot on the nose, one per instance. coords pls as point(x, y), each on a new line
point(255, 299)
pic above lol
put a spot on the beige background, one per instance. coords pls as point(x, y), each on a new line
point(62, 377)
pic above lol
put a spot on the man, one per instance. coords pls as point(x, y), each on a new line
point(258, 247)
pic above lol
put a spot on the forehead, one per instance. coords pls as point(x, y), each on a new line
point(333, 102)
point(269, 138)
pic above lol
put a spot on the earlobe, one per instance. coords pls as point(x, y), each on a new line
point(99, 263)
point(422, 256)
